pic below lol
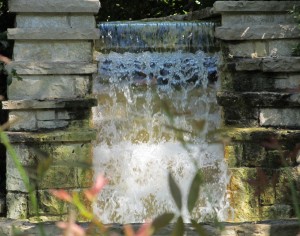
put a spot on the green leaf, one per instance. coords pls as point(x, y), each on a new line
point(175, 191)
point(194, 191)
point(162, 221)
point(200, 230)
point(9, 79)
point(179, 228)
point(15, 74)
point(81, 207)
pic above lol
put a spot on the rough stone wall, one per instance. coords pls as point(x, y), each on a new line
point(49, 109)
point(260, 100)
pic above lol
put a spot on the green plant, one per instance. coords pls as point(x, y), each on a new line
point(96, 227)
point(28, 184)
point(296, 14)
point(113, 10)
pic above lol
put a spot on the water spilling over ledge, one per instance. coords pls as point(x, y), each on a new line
point(155, 110)
point(156, 36)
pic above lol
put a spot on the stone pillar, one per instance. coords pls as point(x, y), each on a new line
point(49, 108)
point(260, 100)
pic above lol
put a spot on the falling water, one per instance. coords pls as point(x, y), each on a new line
point(155, 110)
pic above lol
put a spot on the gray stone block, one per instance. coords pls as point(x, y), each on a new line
point(256, 19)
point(49, 104)
point(254, 6)
point(282, 48)
point(73, 51)
point(63, 115)
point(17, 205)
point(22, 120)
point(14, 181)
point(252, 32)
point(248, 49)
point(50, 6)
point(279, 117)
point(45, 115)
point(281, 64)
point(52, 124)
point(268, 64)
point(53, 34)
point(55, 21)
point(291, 82)
point(48, 86)
point(53, 68)
point(82, 136)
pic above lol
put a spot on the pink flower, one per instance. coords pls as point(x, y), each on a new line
point(71, 229)
point(99, 184)
point(61, 194)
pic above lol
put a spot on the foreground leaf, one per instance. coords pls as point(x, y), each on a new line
point(162, 221)
point(179, 228)
point(200, 230)
point(194, 191)
point(175, 191)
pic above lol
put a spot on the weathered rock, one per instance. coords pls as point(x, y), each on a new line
point(66, 51)
point(281, 64)
point(258, 99)
point(252, 32)
point(17, 205)
point(53, 57)
point(256, 19)
point(261, 48)
point(53, 34)
point(57, 136)
point(78, 6)
point(50, 104)
point(287, 64)
point(255, 153)
point(254, 6)
point(51, 21)
point(258, 134)
point(49, 87)
point(259, 194)
point(279, 117)
point(52, 68)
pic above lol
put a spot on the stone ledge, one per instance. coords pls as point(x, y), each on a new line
point(55, 20)
point(285, 117)
point(54, 68)
point(259, 99)
point(254, 6)
point(49, 6)
point(256, 134)
point(266, 228)
point(49, 104)
point(253, 32)
point(281, 64)
point(56, 136)
point(53, 34)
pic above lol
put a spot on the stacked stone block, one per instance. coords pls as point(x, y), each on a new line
point(261, 109)
point(50, 107)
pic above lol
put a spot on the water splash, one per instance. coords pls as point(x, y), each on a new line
point(150, 104)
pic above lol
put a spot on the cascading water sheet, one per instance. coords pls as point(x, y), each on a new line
point(155, 111)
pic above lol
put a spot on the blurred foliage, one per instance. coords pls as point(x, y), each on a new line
point(6, 21)
point(114, 10)
point(296, 15)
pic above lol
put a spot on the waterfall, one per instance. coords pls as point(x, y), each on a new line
point(156, 90)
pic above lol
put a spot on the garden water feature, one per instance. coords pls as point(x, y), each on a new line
point(156, 90)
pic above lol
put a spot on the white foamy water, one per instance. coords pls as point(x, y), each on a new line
point(154, 112)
